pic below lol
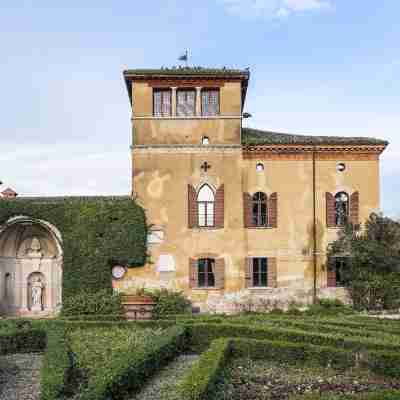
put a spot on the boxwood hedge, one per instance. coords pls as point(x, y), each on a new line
point(97, 232)
point(200, 381)
point(203, 333)
point(56, 365)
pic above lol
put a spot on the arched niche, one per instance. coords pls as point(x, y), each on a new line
point(30, 248)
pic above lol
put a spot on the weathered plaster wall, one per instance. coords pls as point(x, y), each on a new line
point(161, 174)
point(160, 184)
point(224, 129)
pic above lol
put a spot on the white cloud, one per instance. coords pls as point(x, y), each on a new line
point(273, 8)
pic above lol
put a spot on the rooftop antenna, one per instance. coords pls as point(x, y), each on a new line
point(184, 57)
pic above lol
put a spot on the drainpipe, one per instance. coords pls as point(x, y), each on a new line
point(314, 229)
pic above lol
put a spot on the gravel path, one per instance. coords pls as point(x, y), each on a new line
point(20, 376)
point(161, 386)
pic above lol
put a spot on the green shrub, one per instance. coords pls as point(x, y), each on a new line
point(372, 269)
point(327, 307)
point(56, 365)
point(102, 302)
point(169, 303)
point(200, 381)
point(295, 353)
point(22, 341)
point(97, 232)
point(122, 360)
point(315, 325)
point(93, 317)
point(203, 333)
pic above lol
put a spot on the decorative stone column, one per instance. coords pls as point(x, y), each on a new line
point(173, 101)
point(198, 101)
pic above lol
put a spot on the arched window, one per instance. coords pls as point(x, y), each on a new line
point(259, 209)
point(205, 206)
point(341, 209)
point(205, 271)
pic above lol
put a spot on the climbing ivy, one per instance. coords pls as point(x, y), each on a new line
point(97, 232)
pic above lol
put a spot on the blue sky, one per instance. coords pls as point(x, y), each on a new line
point(318, 67)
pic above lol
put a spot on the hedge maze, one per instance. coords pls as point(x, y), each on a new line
point(99, 360)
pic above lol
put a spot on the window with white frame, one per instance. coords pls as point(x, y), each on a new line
point(205, 206)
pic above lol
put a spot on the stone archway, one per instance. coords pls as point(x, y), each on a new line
point(30, 267)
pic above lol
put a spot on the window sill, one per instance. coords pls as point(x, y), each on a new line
point(206, 228)
point(207, 288)
point(255, 288)
point(188, 118)
point(260, 227)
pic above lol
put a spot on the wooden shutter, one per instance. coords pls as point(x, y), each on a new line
point(330, 210)
point(354, 208)
point(219, 207)
point(219, 273)
point(247, 216)
point(272, 272)
point(273, 210)
point(331, 278)
point(192, 207)
point(193, 273)
point(248, 272)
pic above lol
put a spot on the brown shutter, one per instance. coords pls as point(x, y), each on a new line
point(331, 278)
point(219, 207)
point(192, 207)
point(247, 217)
point(219, 273)
point(272, 272)
point(193, 275)
point(354, 208)
point(273, 210)
point(248, 272)
point(330, 210)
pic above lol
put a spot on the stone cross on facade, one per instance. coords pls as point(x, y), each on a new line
point(205, 166)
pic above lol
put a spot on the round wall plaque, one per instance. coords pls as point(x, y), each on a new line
point(118, 271)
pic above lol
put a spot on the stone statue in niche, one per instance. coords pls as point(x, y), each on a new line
point(34, 250)
point(37, 294)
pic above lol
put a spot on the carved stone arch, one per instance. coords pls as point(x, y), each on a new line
point(21, 222)
point(30, 246)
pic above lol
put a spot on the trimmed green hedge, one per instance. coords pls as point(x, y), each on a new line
point(102, 302)
point(96, 317)
point(384, 363)
point(203, 333)
point(325, 328)
point(56, 365)
point(294, 353)
point(129, 371)
point(200, 381)
point(29, 340)
point(97, 232)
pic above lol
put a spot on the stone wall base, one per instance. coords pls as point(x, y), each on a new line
point(257, 300)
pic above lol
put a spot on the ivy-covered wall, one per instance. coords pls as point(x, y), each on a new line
point(97, 232)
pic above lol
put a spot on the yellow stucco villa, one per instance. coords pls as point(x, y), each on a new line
point(238, 216)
